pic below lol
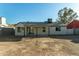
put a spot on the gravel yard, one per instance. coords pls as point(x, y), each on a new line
point(39, 46)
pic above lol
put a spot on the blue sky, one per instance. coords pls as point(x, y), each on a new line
point(35, 12)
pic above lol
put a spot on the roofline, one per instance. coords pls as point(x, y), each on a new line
point(72, 21)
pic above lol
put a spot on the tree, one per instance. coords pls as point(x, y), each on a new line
point(65, 15)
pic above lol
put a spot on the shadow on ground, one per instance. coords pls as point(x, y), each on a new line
point(10, 38)
point(73, 38)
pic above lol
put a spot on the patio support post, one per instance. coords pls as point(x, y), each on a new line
point(24, 31)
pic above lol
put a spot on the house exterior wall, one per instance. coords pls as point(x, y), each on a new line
point(64, 31)
point(50, 31)
point(19, 33)
point(77, 31)
point(38, 30)
point(41, 33)
point(69, 31)
point(35, 31)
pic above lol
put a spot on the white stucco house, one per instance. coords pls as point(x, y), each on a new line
point(3, 22)
point(41, 29)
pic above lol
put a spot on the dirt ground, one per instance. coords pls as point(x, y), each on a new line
point(39, 46)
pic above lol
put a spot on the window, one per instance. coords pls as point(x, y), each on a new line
point(18, 29)
point(44, 29)
point(22, 28)
point(58, 28)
